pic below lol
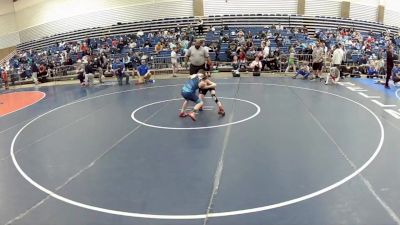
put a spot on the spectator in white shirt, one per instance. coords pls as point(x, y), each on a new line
point(337, 57)
point(174, 61)
point(256, 65)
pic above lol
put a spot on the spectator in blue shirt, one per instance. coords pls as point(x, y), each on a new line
point(144, 74)
point(118, 69)
point(372, 72)
point(396, 74)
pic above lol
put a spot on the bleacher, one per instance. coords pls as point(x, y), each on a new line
point(239, 20)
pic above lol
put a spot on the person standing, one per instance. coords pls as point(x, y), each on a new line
point(337, 57)
point(189, 93)
point(174, 61)
point(197, 55)
point(291, 61)
point(35, 71)
point(318, 59)
point(389, 65)
point(4, 77)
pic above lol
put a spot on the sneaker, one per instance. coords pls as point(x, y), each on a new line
point(152, 81)
point(387, 87)
point(201, 108)
point(182, 114)
point(192, 116)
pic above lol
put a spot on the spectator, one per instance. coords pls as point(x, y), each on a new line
point(97, 66)
point(135, 59)
point(174, 61)
point(158, 48)
point(147, 44)
point(200, 27)
point(4, 77)
point(144, 74)
point(291, 62)
point(372, 72)
point(119, 71)
point(35, 71)
point(256, 66)
point(304, 71)
point(80, 70)
point(396, 74)
point(235, 66)
point(127, 61)
point(89, 73)
point(271, 61)
point(337, 57)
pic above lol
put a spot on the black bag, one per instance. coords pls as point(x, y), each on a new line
point(235, 73)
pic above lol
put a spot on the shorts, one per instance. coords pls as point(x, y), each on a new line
point(204, 91)
point(175, 64)
point(191, 97)
point(317, 66)
point(195, 69)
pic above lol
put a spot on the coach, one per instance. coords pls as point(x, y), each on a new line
point(197, 55)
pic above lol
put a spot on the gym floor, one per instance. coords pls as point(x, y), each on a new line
point(287, 152)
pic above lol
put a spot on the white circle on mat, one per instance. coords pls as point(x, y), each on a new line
point(194, 128)
point(210, 215)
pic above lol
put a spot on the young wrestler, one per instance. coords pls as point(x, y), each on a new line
point(189, 93)
point(203, 93)
point(334, 75)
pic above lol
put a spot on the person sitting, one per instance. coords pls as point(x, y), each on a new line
point(119, 71)
point(334, 75)
point(158, 48)
point(372, 72)
point(80, 69)
point(127, 61)
point(144, 74)
point(89, 73)
point(271, 61)
point(35, 71)
point(235, 67)
point(256, 65)
point(98, 67)
point(304, 71)
point(42, 74)
point(396, 75)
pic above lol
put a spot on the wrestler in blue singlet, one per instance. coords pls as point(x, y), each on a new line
point(189, 90)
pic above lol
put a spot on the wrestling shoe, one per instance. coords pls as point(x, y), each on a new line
point(182, 114)
point(221, 111)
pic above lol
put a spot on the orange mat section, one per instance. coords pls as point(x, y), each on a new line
point(12, 102)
